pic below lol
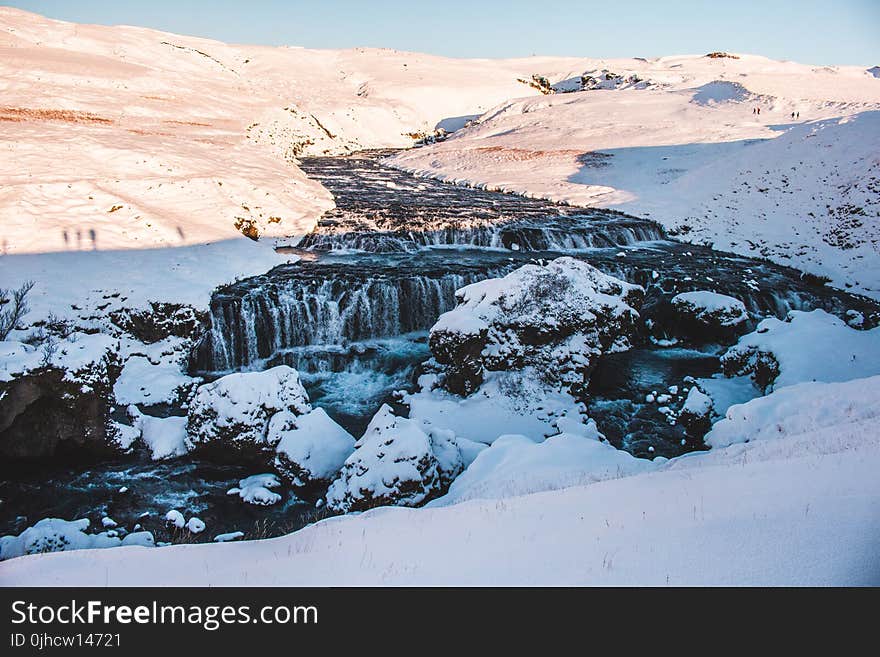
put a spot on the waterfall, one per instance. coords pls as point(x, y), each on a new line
point(550, 234)
point(253, 323)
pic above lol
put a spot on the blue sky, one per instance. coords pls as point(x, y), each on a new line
point(809, 31)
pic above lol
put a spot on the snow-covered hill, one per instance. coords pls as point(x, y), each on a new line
point(798, 182)
point(136, 165)
point(157, 150)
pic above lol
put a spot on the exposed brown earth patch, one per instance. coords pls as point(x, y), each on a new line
point(67, 116)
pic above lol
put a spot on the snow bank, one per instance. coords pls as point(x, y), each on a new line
point(55, 535)
point(799, 409)
point(80, 355)
point(155, 377)
point(761, 513)
point(506, 403)
point(807, 346)
point(516, 465)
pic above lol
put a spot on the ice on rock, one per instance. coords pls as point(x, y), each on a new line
point(108, 522)
point(125, 435)
point(854, 318)
point(229, 536)
point(141, 538)
point(309, 448)
point(396, 462)
point(233, 412)
point(255, 489)
point(703, 316)
point(711, 307)
point(164, 436)
point(696, 413)
point(697, 402)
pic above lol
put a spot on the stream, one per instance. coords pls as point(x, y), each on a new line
point(353, 313)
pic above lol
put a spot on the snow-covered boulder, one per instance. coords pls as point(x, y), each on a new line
point(59, 390)
point(396, 462)
point(175, 518)
point(703, 316)
point(696, 413)
point(165, 437)
point(558, 319)
point(195, 525)
point(231, 415)
point(807, 346)
point(309, 448)
point(255, 489)
point(56, 535)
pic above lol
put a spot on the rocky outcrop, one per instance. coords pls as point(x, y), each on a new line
point(58, 397)
point(160, 321)
point(396, 462)
point(557, 319)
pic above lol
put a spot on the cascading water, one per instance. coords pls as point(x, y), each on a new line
point(252, 324)
point(380, 268)
point(352, 316)
point(573, 233)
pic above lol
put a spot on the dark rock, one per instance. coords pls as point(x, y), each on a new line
point(162, 321)
point(50, 410)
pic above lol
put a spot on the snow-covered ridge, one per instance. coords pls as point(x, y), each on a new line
point(797, 182)
point(136, 152)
